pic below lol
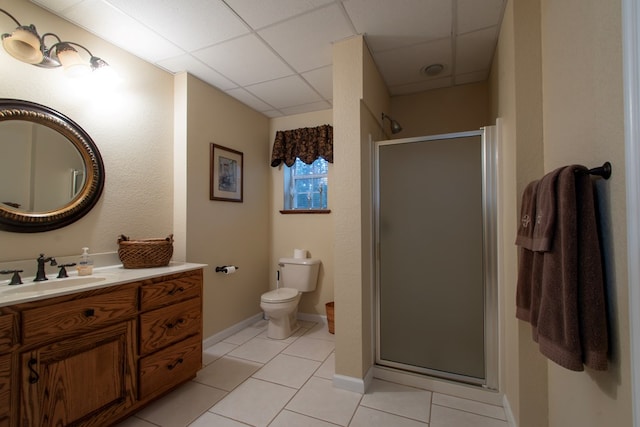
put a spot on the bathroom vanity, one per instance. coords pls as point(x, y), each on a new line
point(92, 351)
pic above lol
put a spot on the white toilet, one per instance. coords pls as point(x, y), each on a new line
point(297, 275)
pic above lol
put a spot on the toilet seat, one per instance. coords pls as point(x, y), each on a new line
point(279, 295)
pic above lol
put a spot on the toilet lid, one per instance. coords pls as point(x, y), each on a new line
point(280, 295)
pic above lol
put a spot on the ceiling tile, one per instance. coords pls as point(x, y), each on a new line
point(190, 24)
point(56, 5)
point(245, 60)
point(474, 77)
point(249, 99)
point(404, 65)
point(474, 51)
point(188, 63)
point(261, 13)
point(276, 55)
point(476, 15)
point(285, 92)
point(389, 24)
point(101, 18)
point(306, 108)
point(305, 42)
point(322, 80)
point(272, 113)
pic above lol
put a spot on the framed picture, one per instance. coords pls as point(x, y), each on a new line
point(225, 174)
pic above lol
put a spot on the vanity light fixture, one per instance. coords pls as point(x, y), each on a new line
point(26, 45)
point(395, 126)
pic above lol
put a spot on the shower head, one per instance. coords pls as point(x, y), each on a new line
point(395, 126)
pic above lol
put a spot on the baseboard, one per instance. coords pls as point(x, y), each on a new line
point(507, 410)
point(357, 385)
point(220, 336)
point(318, 318)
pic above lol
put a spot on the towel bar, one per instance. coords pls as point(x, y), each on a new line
point(603, 171)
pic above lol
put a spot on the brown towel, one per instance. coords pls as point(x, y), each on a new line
point(561, 291)
point(524, 237)
point(544, 224)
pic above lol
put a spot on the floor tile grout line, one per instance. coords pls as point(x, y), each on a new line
point(355, 410)
point(146, 421)
point(296, 390)
point(396, 414)
point(304, 415)
point(468, 412)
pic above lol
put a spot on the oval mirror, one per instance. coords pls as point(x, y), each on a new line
point(51, 172)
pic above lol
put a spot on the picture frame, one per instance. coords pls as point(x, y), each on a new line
point(226, 180)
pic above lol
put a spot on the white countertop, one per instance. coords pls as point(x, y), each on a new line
point(102, 277)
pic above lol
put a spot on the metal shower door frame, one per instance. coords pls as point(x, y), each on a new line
point(489, 159)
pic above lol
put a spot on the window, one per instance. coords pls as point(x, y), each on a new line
point(305, 186)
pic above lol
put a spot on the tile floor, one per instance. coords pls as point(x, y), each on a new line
point(251, 380)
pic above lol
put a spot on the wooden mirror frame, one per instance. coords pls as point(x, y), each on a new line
point(32, 222)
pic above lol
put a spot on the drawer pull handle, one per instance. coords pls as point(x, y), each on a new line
point(90, 312)
point(34, 377)
point(176, 290)
point(173, 325)
point(179, 361)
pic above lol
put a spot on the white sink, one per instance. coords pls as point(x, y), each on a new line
point(51, 284)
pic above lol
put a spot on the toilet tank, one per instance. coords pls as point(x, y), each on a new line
point(299, 273)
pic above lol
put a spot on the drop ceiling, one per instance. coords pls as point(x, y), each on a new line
point(276, 55)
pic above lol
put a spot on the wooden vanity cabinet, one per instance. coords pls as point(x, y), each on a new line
point(85, 380)
point(170, 333)
point(92, 358)
point(8, 341)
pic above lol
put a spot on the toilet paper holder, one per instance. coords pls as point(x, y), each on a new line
point(225, 269)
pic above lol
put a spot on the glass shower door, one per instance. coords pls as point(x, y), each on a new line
point(431, 257)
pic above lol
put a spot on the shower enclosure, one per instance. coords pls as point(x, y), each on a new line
point(435, 232)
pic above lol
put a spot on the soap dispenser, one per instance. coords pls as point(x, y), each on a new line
point(85, 266)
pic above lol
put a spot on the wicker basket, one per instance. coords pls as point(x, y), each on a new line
point(330, 316)
point(145, 253)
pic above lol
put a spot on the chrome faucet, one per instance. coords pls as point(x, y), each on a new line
point(40, 274)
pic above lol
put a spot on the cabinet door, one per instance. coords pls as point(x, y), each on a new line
point(5, 389)
point(85, 380)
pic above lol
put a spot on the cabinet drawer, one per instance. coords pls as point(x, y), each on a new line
point(156, 295)
point(5, 386)
point(164, 326)
point(79, 315)
point(169, 367)
point(8, 335)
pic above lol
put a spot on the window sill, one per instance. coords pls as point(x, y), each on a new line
point(306, 211)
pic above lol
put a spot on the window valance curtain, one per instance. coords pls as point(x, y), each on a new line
point(307, 144)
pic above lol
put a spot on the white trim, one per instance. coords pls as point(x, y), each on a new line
point(511, 420)
point(216, 338)
point(356, 385)
point(220, 336)
point(631, 76)
point(318, 318)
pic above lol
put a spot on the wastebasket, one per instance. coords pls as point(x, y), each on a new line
point(330, 316)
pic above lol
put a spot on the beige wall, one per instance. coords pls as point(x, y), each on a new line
point(584, 123)
point(313, 232)
point(557, 85)
point(359, 98)
point(515, 84)
point(447, 110)
point(227, 233)
point(132, 126)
